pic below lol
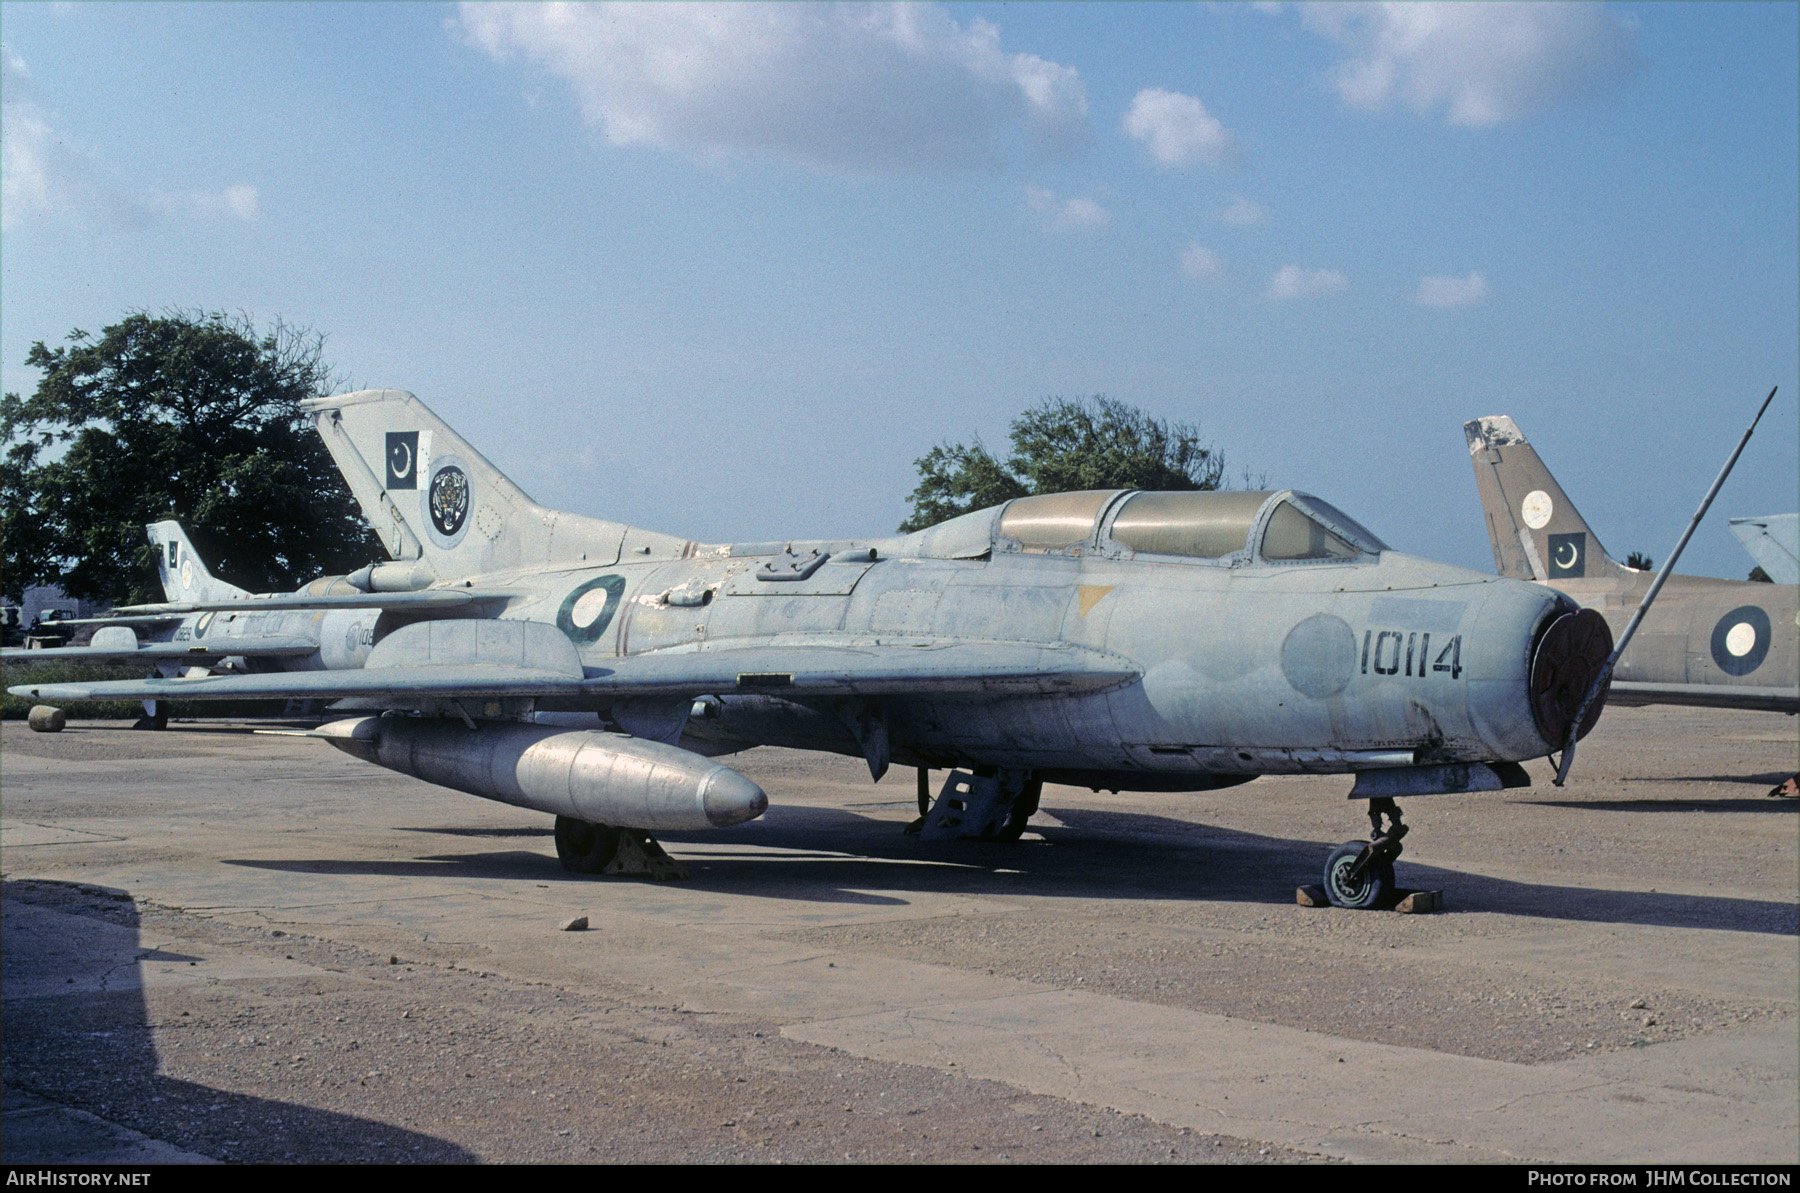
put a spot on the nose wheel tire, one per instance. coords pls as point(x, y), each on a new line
point(1346, 887)
point(583, 847)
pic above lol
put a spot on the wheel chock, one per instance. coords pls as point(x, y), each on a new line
point(639, 856)
point(1407, 903)
point(1419, 902)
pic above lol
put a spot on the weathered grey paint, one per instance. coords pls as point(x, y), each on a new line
point(962, 645)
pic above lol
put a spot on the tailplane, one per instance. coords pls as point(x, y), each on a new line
point(1535, 530)
point(184, 576)
point(431, 497)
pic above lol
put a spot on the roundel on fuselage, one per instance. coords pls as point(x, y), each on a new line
point(1740, 641)
point(1318, 656)
point(589, 608)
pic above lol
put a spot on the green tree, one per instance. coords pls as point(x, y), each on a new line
point(189, 415)
point(1062, 445)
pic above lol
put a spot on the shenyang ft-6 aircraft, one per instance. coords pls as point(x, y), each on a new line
point(1110, 639)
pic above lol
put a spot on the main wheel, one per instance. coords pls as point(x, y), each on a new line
point(583, 847)
point(1371, 888)
point(1024, 804)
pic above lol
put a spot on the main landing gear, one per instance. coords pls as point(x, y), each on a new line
point(587, 848)
point(1361, 875)
point(991, 806)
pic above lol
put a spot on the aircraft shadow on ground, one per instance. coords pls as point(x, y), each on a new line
point(1731, 804)
point(827, 855)
point(95, 1051)
point(1766, 780)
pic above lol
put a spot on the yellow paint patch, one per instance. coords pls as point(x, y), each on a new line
point(1090, 595)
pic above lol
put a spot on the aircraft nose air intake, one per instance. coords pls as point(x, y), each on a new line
point(1569, 655)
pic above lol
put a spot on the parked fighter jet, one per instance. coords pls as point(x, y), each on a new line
point(1111, 639)
point(209, 625)
point(1719, 643)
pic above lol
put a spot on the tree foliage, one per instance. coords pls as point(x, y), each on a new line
point(1063, 445)
point(192, 416)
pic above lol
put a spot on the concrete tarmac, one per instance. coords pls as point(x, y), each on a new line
point(219, 945)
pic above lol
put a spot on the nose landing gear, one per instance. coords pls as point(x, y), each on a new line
point(1360, 875)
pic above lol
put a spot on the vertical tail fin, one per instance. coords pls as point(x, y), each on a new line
point(184, 576)
point(1535, 530)
point(431, 496)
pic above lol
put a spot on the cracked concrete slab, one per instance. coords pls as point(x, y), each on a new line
point(1345, 1097)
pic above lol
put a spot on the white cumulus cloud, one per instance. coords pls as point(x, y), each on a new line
point(1452, 292)
point(861, 87)
point(1177, 129)
point(1201, 263)
point(41, 174)
point(1243, 213)
point(29, 149)
point(1291, 281)
point(1066, 215)
point(1478, 64)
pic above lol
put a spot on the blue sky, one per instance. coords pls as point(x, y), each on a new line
point(728, 271)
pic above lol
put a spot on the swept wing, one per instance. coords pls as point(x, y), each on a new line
point(971, 668)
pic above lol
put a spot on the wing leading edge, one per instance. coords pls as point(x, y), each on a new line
point(429, 600)
point(974, 668)
point(168, 652)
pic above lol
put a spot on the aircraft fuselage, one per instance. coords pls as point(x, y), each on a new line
point(1261, 668)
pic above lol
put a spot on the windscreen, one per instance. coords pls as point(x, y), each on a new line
point(1293, 535)
point(1344, 522)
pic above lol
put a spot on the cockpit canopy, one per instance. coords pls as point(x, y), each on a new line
point(1278, 526)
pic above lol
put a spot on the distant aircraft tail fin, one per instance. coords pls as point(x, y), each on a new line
point(182, 572)
point(1535, 530)
point(431, 496)
point(1774, 542)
